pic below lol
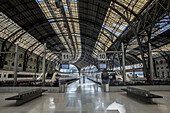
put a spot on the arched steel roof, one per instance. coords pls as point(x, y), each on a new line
point(81, 27)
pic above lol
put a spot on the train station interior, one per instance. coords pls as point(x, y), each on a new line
point(84, 56)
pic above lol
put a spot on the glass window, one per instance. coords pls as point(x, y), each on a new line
point(49, 75)
point(161, 62)
point(10, 75)
point(20, 65)
point(156, 62)
point(6, 62)
point(21, 55)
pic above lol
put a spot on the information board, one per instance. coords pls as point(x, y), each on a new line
point(65, 56)
point(102, 56)
point(65, 66)
point(102, 66)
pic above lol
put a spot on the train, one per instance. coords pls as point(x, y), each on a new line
point(8, 76)
point(114, 76)
point(52, 78)
point(136, 74)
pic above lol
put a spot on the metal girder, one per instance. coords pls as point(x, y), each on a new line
point(58, 25)
point(21, 12)
point(68, 29)
point(3, 57)
point(134, 57)
point(50, 56)
point(126, 8)
point(33, 26)
point(12, 35)
point(91, 28)
point(90, 38)
point(120, 14)
point(26, 57)
point(84, 23)
point(84, 58)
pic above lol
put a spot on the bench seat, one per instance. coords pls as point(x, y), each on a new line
point(141, 94)
point(26, 96)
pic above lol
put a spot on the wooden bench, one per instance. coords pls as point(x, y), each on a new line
point(26, 96)
point(141, 94)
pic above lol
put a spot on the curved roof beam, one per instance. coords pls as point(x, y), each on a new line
point(90, 37)
point(119, 13)
point(126, 8)
point(84, 22)
point(88, 27)
point(134, 57)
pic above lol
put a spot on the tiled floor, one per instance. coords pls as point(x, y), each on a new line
point(85, 98)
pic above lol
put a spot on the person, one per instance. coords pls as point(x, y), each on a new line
point(105, 77)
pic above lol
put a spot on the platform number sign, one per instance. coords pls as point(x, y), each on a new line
point(101, 56)
point(65, 56)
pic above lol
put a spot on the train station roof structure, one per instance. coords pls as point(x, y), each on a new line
point(86, 27)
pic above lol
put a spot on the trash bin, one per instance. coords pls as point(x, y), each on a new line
point(106, 87)
point(65, 87)
point(62, 87)
point(83, 79)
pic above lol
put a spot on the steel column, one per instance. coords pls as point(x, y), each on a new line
point(134, 72)
point(44, 62)
point(151, 62)
point(123, 64)
point(16, 65)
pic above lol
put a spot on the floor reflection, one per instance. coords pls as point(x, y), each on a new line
point(116, 106)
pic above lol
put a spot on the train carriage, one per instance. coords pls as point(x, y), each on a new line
point(8, 76)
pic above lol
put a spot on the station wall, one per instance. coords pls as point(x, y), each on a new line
point(31, 66)
point(161, 66)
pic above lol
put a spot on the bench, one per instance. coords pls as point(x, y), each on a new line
point(26, 96)
point(141, 94)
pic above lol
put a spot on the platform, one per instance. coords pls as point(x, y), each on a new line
point(86, 98)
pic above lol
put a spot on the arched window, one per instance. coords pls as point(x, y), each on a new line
point(30, 67)
point(21, 55)
point(20, 65)
point(161, 62)
point(6, 62)
point(12, 64)
point(156, 62)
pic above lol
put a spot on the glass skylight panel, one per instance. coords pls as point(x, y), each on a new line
point(7, 26)
point(113, 22)
point(136, 5)
point(33, 46)
point(25, 40)
point(162, 26)
point(39, 0)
